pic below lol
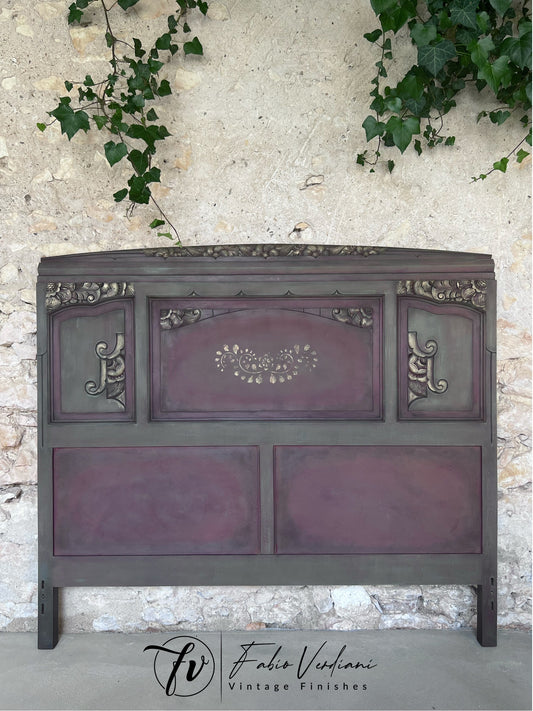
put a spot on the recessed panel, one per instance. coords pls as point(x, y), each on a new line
point(92, 362)
point(156, 500)
point(266, 358)
point(380, 500)
point(441, 361)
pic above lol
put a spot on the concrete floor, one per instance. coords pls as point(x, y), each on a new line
point(412, 669)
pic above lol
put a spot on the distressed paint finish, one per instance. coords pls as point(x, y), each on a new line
point(312, 480)
point(378, 500)
point(194, 375)
point(156, 501)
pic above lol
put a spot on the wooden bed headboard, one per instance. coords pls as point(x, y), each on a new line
point(267, 415)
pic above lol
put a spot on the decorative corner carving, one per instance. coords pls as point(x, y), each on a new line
point(112, 372)
point(278, 368)
point(62, 294)
point(360, 316)
point(265, 251)
point(421, 377)
point(174, 318)
point(472, 292)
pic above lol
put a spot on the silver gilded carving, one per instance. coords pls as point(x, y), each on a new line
point(421, 376)
point(174, 318)
point(268, 368)
point(264, 250)
point(359, 316)
point(62, 294)
point(112, 372)
point(472, 292)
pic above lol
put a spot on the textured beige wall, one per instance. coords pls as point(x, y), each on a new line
point(278, 97)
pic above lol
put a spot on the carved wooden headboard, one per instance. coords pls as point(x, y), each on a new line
point(267, 415)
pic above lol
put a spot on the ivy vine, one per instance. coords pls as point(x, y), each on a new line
point(484, 43)
point(119, 104)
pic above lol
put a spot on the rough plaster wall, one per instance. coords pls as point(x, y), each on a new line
point(278, 97)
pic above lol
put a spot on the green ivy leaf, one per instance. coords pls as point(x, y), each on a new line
point(434, 57)
point(521, 155)
point(114, 152)
point(418, 146)
point(390, 165)
point(373, 36)
point(450, 141)
point(463, 12)
point(100, 121)
point(139, 161)
point(139, 191)
point(74, 15)
point(499, 117)
point(519, 50)
point(479, 51)
point(496, 74)
point(396, 19)
point(156, 223)
point(501, 164)
point(186, 28)
point(68, 85)
point(125, 4)
point(203, 7)
point(501, 6)
point(41, 126)
point(193, 47)
point(138, 47)
point(164, 41)
point(70, 121)
point(393, 104)
point(423, 34)
point(380, 6)
point(373, 128)
point(164, 88)
point(120, 195)
point(402, 130)
point(153, 175)
point(151, 115)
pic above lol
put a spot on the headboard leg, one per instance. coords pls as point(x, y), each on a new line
point(48, 619)
point(487, 613)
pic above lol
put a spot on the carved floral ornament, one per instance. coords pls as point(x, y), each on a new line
point(421, 375)
point(264, 250)
point(471, 292)
point(62, 294)
point(112, 379)
point(268, 368)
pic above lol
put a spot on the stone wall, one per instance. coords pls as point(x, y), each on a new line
point(265, 129)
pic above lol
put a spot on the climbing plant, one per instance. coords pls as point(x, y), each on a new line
point(482, 43)
point(120, 104)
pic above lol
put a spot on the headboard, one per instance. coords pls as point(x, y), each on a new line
point(267, 415)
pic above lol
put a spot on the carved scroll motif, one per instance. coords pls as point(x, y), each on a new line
point(264, 250)
point(358, 316)
point(421, 377)
point(472, 292)
point(174, 318)
point(268, 368)
point(112, 372)
point(62, 294)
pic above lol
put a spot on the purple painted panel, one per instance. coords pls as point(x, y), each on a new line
point(156, 500)
point(266, 358)
point(369, 499)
